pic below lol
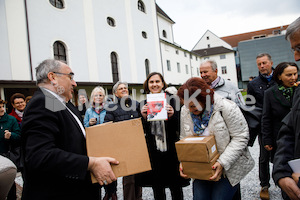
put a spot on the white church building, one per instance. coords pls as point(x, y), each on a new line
point(102, 41)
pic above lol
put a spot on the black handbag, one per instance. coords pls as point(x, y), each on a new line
point(14, 154)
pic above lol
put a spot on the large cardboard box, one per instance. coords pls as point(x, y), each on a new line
point(196, 149)
point(199, 170)
point(124, 141)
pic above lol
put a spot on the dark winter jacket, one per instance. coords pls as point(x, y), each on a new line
point(115, 112)
point(10, 123)
point(288, 142)
point(257, 87)
point(165, 165)
point(275, 108)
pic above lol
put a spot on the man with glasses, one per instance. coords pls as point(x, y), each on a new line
point(56, 165)
point(288, 141)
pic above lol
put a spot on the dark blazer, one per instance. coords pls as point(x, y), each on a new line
point(257, 87)
point(275, 108)
point(54, 151)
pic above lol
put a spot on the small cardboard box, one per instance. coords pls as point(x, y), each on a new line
point(196, 149)
point(124, 141)
point(198, 170)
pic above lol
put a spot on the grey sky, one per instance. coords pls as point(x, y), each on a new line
point(194, 17)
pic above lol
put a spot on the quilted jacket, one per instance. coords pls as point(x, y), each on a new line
point(230, 129)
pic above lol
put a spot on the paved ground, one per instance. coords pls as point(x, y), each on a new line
point(250, 187)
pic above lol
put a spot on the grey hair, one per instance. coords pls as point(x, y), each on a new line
point(264, 54)
point(292, 29)
point(213, 64)
point(115, 87)
point(94, 91)
point(42, 70)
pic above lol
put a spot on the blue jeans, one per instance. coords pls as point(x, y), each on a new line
point(213, 190)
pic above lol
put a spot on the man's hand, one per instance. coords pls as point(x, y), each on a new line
point(289, 186)
point(219, 170)
point(101, 169)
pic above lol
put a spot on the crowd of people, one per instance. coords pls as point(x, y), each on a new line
point(49, 132)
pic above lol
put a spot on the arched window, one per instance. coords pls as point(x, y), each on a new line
point(114, 67)
point(111, 21)
point(147, 67)
point(144, 34)
point(141, 6)
point(57, 3)
point(164, 34)
point(59, 51)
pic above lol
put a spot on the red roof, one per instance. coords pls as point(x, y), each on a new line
point(233, 40)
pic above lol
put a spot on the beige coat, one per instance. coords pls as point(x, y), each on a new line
point(230, 129)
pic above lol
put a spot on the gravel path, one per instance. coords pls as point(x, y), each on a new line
point(250, 187)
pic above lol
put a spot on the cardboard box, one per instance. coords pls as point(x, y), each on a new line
point(198, 170)
point(196, 149)
point(124, 141)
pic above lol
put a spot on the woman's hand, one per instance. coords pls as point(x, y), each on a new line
point(170, 110)
point(93, 121)
point(268, 147)
point(219, 169)
point(144, 111)
point(7, 134)
point(181, 172)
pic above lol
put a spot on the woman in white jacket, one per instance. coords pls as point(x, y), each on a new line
point(206, 113)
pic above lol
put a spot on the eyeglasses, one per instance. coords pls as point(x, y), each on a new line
point(297, 48)
point(71, 75)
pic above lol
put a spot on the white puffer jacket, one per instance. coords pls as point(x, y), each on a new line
point(230, 129)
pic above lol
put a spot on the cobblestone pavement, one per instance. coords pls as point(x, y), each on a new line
point(250, 187)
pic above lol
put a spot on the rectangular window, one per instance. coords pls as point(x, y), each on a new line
point(224, 69)
point(178, 68)
point(191, 56)
point(184, 54)
point(186, 69)
point(206, 58)
point(223, 56)
point(168, 65)
point(177, 52)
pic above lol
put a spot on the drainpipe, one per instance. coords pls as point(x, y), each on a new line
point(28, 40)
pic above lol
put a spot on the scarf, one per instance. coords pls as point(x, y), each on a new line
point(269, 78)
point(98, 108)
point(159, 131)
point(19, 113)
point(286, 92)
point(201, 121)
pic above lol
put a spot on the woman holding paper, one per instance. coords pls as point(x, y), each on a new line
point(96, 113)
point(278, 103)
point(161, 136)
point(206, 113)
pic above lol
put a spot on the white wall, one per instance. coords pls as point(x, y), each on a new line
point(165, 24)
point(213, 41)
point(14, 49)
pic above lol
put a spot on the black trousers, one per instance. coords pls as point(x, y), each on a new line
point(264, 164)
